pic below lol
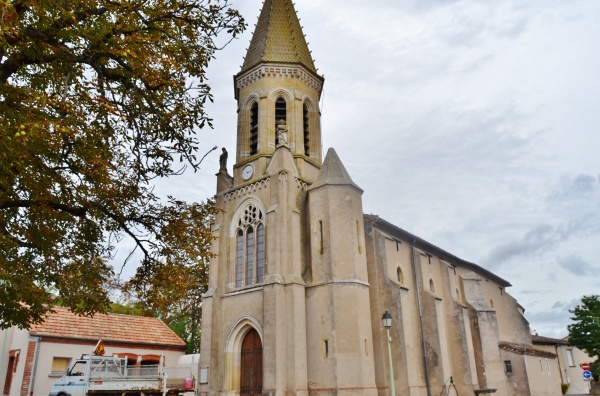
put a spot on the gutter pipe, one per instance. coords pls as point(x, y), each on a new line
point(558, 359)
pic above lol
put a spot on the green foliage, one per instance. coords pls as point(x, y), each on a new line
point(173, 291)
point(98, 99)
point(584, 333)
point(126, 309)
point(595, 369)
point(564, 388)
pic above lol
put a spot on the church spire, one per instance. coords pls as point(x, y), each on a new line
point(278, 38)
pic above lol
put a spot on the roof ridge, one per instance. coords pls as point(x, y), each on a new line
point(421, 243)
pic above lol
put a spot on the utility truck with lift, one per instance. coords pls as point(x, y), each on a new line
point(96, 375)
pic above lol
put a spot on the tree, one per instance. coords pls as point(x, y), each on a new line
point(98, 99)
point(584, 333)
point(174, 294)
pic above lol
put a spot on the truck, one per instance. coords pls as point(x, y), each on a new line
point(111, 375)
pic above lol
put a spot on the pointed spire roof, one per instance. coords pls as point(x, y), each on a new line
point(333, 173)
point(278, 37)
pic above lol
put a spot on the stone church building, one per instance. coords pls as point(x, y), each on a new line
point(302, 276)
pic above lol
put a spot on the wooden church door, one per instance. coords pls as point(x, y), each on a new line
point(251, 365)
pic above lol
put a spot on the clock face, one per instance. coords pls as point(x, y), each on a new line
point(247, 172)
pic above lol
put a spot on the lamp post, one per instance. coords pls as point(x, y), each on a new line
point(387, 323)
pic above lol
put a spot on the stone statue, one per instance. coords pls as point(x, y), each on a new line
point(223, 160)
point(281, 132)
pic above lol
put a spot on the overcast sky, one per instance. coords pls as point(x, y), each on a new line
point(472, 124)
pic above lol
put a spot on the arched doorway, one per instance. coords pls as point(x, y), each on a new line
point(251, 365)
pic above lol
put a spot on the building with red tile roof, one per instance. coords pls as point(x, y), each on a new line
point(569, 362)
point(31, 360)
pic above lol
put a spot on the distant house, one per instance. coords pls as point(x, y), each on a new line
point(32, 360)
point(569, 362)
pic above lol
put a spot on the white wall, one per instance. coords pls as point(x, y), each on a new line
point(48, 351)
point(543, 376)
point(573, 374)
point(13, 338)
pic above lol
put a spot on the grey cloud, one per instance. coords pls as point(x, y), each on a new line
point(562, 305)
point(471, 139)
point(575, 187)
point(533, 292)
point(577, 266)
point(543, 236)
point(552, 322)
point(585, 183)
point(469, 32)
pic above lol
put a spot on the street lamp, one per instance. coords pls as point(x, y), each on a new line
point(387, 323)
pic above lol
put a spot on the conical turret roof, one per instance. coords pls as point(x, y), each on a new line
point(333, 173)
point(278, 37)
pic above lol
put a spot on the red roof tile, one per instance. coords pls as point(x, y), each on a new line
point(523, 349)
point(108, 327)
point(537, 339)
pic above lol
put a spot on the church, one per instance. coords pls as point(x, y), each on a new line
point(302, 277)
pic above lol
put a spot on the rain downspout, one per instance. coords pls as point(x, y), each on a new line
point(558, 359)
point(426, 365)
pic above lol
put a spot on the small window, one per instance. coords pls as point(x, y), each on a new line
point(457, 295)
point(306, 126)
point(325, 348)
point(400, 275)
point(548, 365)
point(358, 245)
point(59, 366)
point(280, 114)
point(541, 366)
point(254, 129)
point(78, 368)
point(321, 240)
point(508, 367)
point(491, 303)
point(570, 358)
point(431, 286)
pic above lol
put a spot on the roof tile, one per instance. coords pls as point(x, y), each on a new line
point(278, 37)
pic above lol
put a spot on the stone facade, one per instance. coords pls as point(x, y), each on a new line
point(302, 276)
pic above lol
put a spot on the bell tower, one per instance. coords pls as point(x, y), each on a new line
point(254, 314)
point(287, 309)
point(278, 91)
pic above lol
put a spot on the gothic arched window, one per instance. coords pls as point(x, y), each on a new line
point(306, 127)
point(250, 248)
point(254, 129)
point(280, 114)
